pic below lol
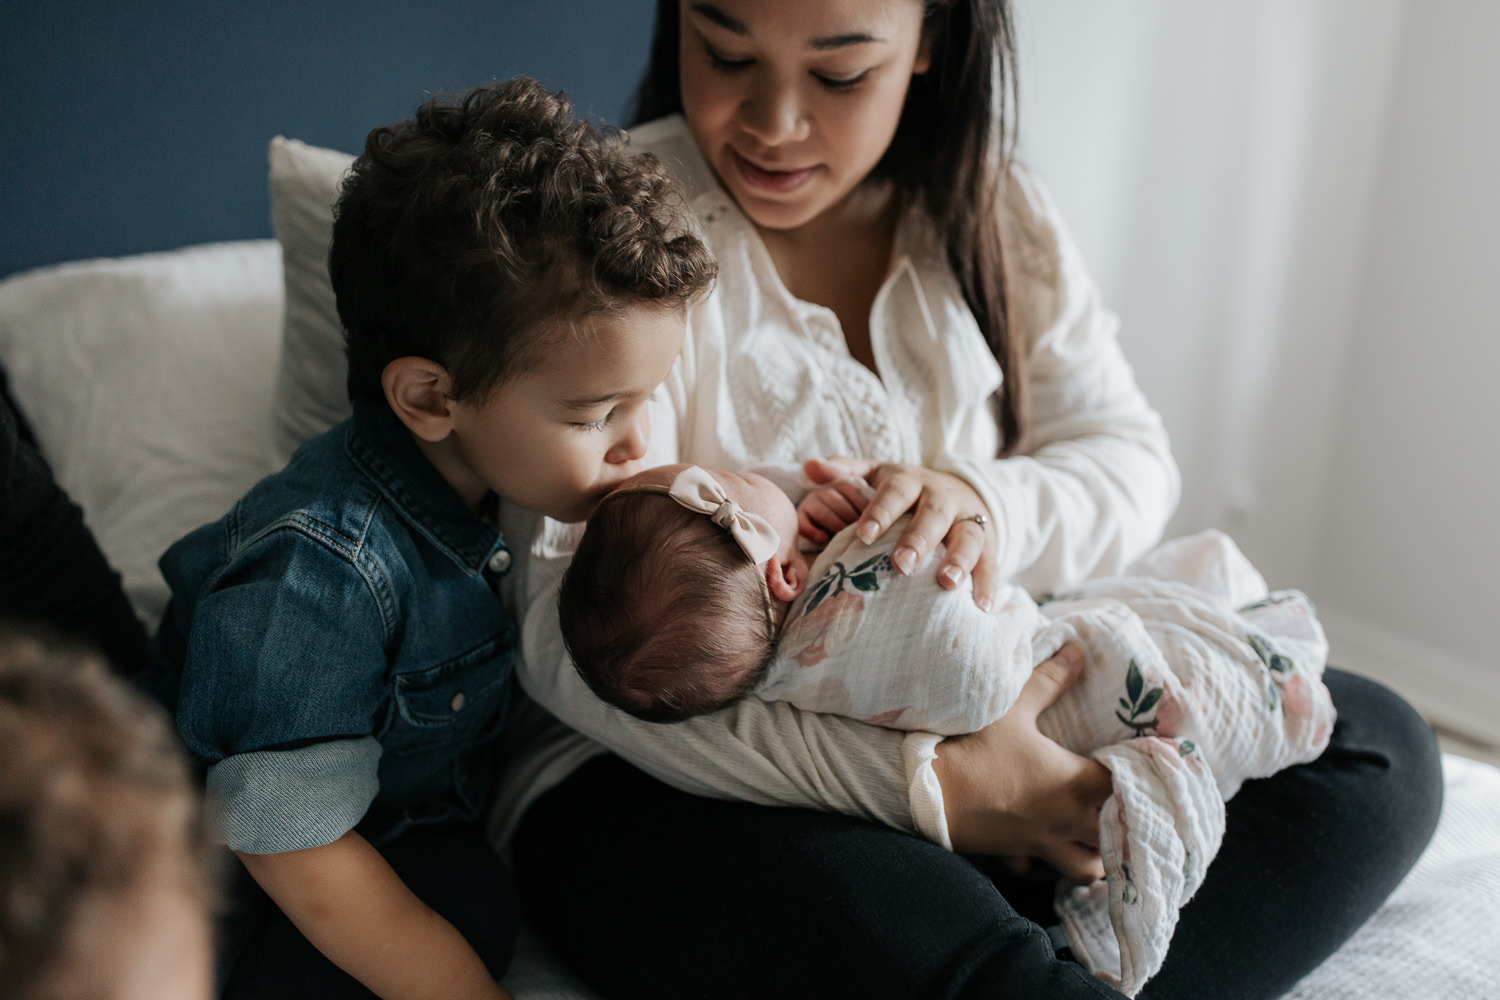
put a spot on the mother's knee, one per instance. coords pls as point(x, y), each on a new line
point(1382, 736)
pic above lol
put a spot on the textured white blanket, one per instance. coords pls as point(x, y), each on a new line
point(1196, 681)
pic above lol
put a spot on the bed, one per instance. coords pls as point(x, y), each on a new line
point(161, 385)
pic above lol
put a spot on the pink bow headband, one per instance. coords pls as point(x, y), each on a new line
point(696, 490)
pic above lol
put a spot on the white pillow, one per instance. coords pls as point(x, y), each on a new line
point(148, 380)
point(311, 394)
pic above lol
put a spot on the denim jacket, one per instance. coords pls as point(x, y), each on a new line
point(334, 653)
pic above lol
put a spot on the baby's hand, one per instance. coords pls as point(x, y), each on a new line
point(827, 510)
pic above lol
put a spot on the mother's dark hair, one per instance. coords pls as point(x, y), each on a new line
point(950, 154)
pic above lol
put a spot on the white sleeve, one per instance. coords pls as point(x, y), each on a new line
point(1097, 483)
point(755, 751)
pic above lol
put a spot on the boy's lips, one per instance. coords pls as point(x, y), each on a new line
point(776, 181)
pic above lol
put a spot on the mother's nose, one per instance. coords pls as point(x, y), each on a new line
point(773, 112)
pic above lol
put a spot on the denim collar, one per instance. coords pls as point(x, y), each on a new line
point(381, 446)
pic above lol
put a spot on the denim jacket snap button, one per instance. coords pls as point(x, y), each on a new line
point(457, 703)
point(500, 561)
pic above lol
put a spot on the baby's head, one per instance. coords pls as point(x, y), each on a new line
point(673, 601)
point(103, 889)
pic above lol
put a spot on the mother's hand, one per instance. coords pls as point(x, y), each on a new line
point(942, 507)
point(1008, 790)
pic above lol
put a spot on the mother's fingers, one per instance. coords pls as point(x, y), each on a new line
point(987, 577)
point(895, 493)
point(1049, 681)
point(826, 470)
point(1075, 862)
point(966, 544)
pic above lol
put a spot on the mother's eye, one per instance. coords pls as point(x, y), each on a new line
point(840, 82)
point(723, 62)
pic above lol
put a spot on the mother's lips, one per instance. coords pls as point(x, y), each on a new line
point(779, 181)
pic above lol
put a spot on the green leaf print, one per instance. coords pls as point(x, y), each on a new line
point(1149, 702)
point(819, 592)
point(862, 577)
point(1141, 701)
point(1277, 666)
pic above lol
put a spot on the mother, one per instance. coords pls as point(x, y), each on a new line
point(892, 288)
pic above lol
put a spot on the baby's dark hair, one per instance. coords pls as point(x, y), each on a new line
point(662, 612)
point(95, 803)
point(463, 233)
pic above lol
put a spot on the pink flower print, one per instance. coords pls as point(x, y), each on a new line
point(889, 719)
point(1296, 699)
point(812, 655)
point(1169, 713)
point(1309, 712)
point(825, 630)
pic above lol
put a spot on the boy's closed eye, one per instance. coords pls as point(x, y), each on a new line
point(827, 510)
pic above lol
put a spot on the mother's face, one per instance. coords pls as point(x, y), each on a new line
point(793, 102)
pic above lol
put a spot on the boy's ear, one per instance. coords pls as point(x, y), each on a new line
point(786, 577)
point(417, 391)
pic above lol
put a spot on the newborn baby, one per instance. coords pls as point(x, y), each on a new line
point(689, 591)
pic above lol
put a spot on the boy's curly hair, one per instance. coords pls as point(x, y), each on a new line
point(662, 612)
point(462, 232)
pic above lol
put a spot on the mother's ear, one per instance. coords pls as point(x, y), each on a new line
point(417, 391)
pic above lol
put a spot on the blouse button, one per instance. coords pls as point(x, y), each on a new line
point(457, 703)
point(500, 561)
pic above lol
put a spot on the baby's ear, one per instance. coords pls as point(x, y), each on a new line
point(786, 577)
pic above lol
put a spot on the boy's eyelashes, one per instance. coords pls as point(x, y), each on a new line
point(608, 418)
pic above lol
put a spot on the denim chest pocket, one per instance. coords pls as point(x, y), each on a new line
point(458, 703)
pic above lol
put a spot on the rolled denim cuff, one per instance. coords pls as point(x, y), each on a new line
point(270, 801)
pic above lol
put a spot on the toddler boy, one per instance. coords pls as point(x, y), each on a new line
point(513, 287)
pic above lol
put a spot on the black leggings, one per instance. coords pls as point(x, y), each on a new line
point(650, 892)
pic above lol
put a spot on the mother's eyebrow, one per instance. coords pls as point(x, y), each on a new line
point(738, 27)
point(720, 18)
point(843, 41)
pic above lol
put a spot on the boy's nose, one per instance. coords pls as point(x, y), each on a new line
point(631, 447)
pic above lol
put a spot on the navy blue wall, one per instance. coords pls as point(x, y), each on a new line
point(143, 126)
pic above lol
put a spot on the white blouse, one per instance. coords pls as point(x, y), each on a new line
point(767, 379)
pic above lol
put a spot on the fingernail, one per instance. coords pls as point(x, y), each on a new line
point(984, 603)
point(953, 575)
point(868, 531)
point(905, 558)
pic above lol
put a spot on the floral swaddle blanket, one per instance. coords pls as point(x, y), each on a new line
point(1196, 680)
